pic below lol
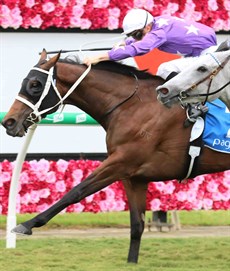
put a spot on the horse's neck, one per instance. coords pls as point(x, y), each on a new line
point(98, 93)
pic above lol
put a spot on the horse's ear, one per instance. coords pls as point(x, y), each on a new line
point(52, 61)
point(43, 54)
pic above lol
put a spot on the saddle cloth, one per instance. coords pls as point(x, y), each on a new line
point(216, 134)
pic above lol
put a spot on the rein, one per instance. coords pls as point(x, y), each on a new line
point(50, 82)
point(184, 93)
point(126, 99)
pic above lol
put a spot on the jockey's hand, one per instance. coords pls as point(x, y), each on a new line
point(95, 59)
point(90, 60)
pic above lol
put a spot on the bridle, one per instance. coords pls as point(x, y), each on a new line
point(50, 83)
point(36, 115)
point(186, 93)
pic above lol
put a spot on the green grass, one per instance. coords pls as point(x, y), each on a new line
point(109, 254)
point(121, 219)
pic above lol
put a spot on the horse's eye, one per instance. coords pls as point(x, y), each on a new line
point(202, 69)
point(35, 84)
point(34, 87)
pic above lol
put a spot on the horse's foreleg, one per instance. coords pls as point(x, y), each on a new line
point(136, 193)
point(100, 178)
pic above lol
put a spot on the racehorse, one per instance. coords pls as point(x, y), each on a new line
point(145, 141)
point(200, 79)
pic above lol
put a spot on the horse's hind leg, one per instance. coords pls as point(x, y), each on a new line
point(136, 193)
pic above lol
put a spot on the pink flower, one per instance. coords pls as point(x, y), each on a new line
point(78, 207)
point(18, 204)
point(225, 196)
point(24, 178)
point(41, 166)
point(197, 204)
point(119, 205)
point(160, 186)
point(85, 23)
point(191, 196)
point(77, 176)
point(199, 179)
point(48, 7)
point(113, 23)
point(115, 12)
point(100, 3)
point(41, 208)
point(110, 194)
point(89, 198)
point(226, 182)
point(171, 9)
point(36, 22)
point(50, 177)
point(62, 165)
point(44, 193)
point(30, 3)
point(147, 4)
point(169, 188)
point(207, 203)
point(63, 3)
point(60, 186)
point(5, 177)
point(218, 24)
point(216, 196)
point(189, 12)
point(212, 5)
point(75, 22)
point(155, 205)
point(81, 2)
point(181, 196)
point(78, 11)
point(227, 5)
point(25, 199)
point(193, 186)
point(34, 196)
point(11, 18)
point(212, 186)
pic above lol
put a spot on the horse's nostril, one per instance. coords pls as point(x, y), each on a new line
point(8, 123)
point(164, 91)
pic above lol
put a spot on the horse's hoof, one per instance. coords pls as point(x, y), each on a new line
point(20, 229)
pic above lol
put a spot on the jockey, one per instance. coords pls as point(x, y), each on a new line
point(169, 34)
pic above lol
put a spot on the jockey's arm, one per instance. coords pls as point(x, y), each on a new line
point(95, 59)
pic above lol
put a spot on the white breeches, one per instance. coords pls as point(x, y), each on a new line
point(178, 65)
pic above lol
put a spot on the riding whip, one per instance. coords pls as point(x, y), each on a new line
point(77, 50)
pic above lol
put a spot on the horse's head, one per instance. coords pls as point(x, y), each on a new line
point(201, 81)
point(35, 99)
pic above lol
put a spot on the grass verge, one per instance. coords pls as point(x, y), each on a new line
point(103, 254)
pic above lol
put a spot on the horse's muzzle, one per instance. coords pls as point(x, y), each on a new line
point(12, 127)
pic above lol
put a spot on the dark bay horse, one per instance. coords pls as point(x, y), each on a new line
point(145, 140)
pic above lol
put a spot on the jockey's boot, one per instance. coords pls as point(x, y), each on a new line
point(224, 46)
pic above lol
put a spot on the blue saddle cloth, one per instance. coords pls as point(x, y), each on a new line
point(217, 127)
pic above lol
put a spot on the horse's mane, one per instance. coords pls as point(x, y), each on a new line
point(111, 66)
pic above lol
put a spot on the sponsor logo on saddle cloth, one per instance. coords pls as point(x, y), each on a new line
point(217, 127)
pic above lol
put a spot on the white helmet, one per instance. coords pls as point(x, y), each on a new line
point(136, 19)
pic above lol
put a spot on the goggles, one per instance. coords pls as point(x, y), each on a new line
point(136, 34)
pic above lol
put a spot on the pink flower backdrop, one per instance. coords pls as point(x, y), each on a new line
point(107, 14)
point(44, 182)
